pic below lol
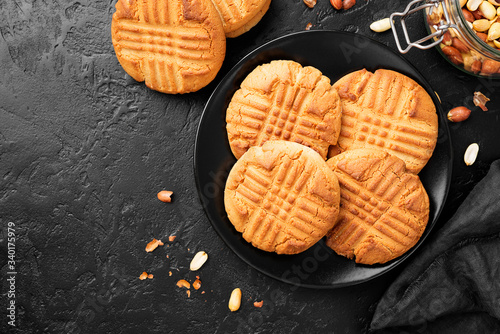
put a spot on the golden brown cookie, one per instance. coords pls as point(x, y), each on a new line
point(389, 111)
point(282, 196)
point(384, 209)
point(239, 16)
point(174, 46)
point(282, 100)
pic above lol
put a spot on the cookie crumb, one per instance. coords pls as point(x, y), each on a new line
point(164, 196)
point(152, 245)
point(258, 304)
point(183, 284)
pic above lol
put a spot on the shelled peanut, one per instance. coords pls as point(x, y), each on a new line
point(483, 17)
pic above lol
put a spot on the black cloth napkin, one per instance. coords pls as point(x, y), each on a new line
point(453, 284)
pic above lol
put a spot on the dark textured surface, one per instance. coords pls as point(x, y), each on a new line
point(84, 149)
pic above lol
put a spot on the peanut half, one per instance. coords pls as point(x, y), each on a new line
point(471, 154)
point(382, 25)
point(481, 25)
point(198, 260)
point(235, 300)
point(473, 5)
point(494, 31)
point(487, 10)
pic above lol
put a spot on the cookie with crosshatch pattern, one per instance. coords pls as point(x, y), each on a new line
point(389, 111)
point(282, 100)
point(282, 197)
point(239, 16)
point(174, 46)
point(384, 209)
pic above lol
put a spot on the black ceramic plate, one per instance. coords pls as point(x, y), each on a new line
point(335, 54)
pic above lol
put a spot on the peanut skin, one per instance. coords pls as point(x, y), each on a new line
point(458, 114)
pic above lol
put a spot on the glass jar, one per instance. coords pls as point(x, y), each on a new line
point(467, 39)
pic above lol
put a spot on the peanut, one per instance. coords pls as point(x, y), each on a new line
point(481, 25)
point(337, 4)
point(235, 300)
point(459, 45)
point(473, 5)
point(477, 15)
point(447, 38)
point(458, 114)
point(471, 154)
point(453, 54)
point(482, 36)
point(198, 260)
point(494, 31)
point(383, 25)
point(468, 61)
point(348, 4)
point(476, 66)
point(490, 66)
point(468, 15)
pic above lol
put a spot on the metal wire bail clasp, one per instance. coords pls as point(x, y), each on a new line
point(441, 27)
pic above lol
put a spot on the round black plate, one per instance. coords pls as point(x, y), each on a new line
point(335, 54)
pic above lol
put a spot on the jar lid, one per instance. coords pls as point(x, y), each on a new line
point(438, 35)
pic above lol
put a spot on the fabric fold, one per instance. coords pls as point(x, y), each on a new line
point(453, 283)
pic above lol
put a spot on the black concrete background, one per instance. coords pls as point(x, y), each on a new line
point(84, 149)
